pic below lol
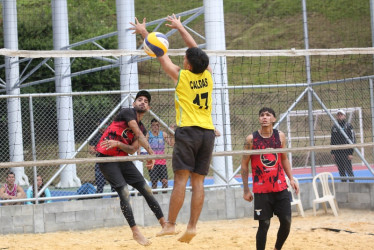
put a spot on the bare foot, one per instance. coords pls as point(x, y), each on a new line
point(141, 239)
point(187, 236)
point(168, 229)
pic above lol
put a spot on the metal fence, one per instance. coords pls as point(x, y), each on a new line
point(298, 88)
point(39, 116)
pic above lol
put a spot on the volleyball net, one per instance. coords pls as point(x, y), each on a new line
point(49, 121)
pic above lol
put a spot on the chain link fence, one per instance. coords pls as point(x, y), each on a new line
point(90, 110)
point(338, 82)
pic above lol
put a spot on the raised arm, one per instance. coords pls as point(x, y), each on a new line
point(247, 195)
point(175, 23)
point(169, 67)
point(286, 163)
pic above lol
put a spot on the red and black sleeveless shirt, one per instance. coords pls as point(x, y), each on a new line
point(267, 170)
point(119, 130)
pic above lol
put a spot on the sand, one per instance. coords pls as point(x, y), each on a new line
point(306, 233)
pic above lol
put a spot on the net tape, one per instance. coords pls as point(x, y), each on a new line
point(169, 156)
point(181, 52)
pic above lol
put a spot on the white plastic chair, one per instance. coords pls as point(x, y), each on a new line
point(326, 181)
point(295, 197)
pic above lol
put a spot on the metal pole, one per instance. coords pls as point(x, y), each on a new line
point(33, 147)
point(372, 109)
point(32, 134)
point(371, 80)
point(310, 95)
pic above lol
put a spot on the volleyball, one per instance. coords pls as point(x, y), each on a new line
point(156, 44)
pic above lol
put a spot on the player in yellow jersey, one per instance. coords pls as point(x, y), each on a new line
point(194, 136)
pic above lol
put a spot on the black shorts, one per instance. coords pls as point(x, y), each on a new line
point(267, 204)
point(193, 149)
point(158, 172)
point(118, 174)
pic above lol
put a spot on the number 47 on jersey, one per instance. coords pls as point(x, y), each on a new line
point(202, 97)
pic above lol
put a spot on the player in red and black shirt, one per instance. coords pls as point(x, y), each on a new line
point(269, 184)
point(122, 137)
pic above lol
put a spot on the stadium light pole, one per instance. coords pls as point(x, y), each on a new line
point(12, 77)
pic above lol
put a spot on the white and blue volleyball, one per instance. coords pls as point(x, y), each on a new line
point(156, 44)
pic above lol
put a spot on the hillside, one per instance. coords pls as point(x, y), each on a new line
point(250, 24)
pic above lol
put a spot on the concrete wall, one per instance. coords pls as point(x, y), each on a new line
point(220, 204)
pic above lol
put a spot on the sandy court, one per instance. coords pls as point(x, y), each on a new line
point(228, 234)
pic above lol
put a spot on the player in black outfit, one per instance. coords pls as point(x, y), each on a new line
point(121, 138)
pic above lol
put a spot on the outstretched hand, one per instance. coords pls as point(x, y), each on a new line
point(139, 28)
point(175, 22)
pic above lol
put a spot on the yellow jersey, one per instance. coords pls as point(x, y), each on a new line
point(193, 99)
